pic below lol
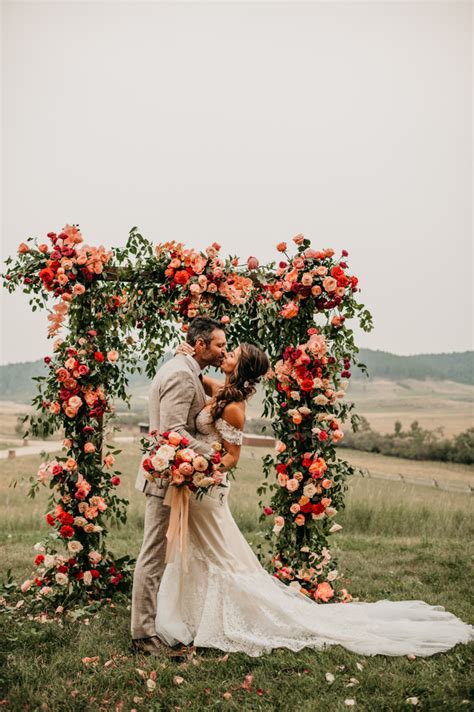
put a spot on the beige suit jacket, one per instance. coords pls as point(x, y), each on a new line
point(176, 397)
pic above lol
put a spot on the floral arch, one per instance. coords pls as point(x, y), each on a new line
point(129, 303)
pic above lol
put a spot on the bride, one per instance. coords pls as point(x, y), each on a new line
point(226, 600)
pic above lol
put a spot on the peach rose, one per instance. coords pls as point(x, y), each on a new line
point(26, 585)
point(89, 447)
point(290, 310)
point(71, 464)
point(300, 520)
point(186, 454)
point(326, 501)
point(298, 476)
point(200, 463)
point(282, 479)
point(87, 578)
point(295, 508)
point(326, 484)
point(282, 246)
point(43, 248)
point(178, 478)
point(109, 460)
point(280, 447)
point(174, 438)
point(321, 271)
point(307, 279)
point(185, 469)
point(78, 289)
point(316, 290)
point(55, 408)
point(329, 284)
point(75, 402)
point(337, 435)
point(298, 239)
point(292, 485)
point(324, 591)
point(112, 356)
point(297, 418)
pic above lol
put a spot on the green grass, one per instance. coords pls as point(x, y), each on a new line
point(398, 541)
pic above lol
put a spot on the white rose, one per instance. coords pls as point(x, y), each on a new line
point(197, 479)
point(321, 400)
point(166, 451)
point(331, 512)
point(49, 561)
point(332, 575)
point(296, 585)
point(304, 410)
point(87, 578)
point(309, 490)
point(61, 579)
point(159, 463)
point(39, 547)
point(206, 482)
point(80, 521)
point(45, 590)
point(74, 547)
point(295, 395)
point(335, 528)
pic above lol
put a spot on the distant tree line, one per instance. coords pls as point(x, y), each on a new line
point(457, 367)
point(416, 443)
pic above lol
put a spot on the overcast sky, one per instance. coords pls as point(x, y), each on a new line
point(248, 123)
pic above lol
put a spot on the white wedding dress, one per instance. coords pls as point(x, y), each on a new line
point(228, 601)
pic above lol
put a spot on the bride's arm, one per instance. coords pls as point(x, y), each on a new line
point(211, 385)
point(234, 416)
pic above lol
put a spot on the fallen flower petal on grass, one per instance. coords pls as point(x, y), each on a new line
point(178, 680)
point(91, 661)
point(412, 700)
point(247, 683)
point(227, 695)
point(350, 702)
point(151, 685)
point(329, 677)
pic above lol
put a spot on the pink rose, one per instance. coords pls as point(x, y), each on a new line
point(300, 520)
point(112, 356)
point(200, 463)
point(295, 508)
point(185, 469)
point(89, 447)
point(299, 239)
point(292, 485)
point(178, 479)
point(252, 263)
point(280, 447)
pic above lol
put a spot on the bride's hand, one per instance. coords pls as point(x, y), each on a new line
point(185, 349)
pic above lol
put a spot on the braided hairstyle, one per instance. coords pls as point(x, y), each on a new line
point(253, 364)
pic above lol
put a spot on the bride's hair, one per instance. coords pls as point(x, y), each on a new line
point(253, 364)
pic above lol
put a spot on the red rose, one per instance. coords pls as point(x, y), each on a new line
point(66, 532)
point(166, 435)
point(50, 520)
point(47, 359)
point(38, 581)
point(181, 277)
point(148, 465)
point(99, 356)
point(216, 458)
point(112, 569)
point(115, 481)
point(83, 369)
point(322, 436)
point(185, 442)
point(345, 253)
point(39, 559)
point(72, 562)
point(307, 384)
point(307, 462)
point(57, 470)
point(47, 277)
point(281, 468)
point(318, 508)
point(62, 569)
point(95, 573)
point(65, 518)
point(267, 511)
point(92, 332)
point(306, 508)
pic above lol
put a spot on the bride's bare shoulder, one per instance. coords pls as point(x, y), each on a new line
point(234, 414)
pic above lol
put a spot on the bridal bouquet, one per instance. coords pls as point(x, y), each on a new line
point(169, 457)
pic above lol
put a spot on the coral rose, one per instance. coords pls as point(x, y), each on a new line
point(112, 356)
point(298, 239)
point(329, 284)
point(290, 310)
point(282, 246)
point(324, 592)
point(174, 438)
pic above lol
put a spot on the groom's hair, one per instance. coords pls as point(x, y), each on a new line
point(202, 327)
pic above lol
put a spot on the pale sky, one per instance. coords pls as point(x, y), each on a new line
point(247, 123)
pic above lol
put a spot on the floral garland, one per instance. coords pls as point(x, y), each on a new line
point(89, 368)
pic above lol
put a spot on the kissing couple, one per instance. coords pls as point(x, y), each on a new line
point(223, 598)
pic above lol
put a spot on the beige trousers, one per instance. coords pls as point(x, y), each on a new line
point(149, 567)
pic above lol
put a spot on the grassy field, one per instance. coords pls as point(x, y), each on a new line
point(398, 541)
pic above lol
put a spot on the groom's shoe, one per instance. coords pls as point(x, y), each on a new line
point(149, 646)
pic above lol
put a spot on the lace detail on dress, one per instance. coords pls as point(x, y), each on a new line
point(229, 432)
point(219, 430)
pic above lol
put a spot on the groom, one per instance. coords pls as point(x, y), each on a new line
point(176, 397)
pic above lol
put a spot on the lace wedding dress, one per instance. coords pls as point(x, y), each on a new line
point(227, 600)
